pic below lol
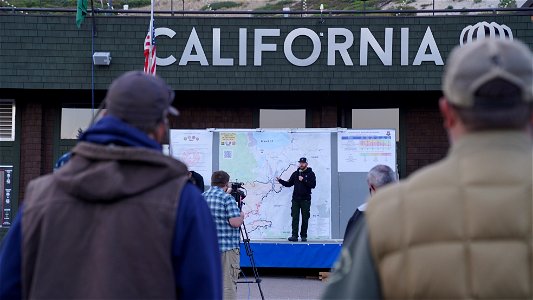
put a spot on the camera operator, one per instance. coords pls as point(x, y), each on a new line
point(228, 219)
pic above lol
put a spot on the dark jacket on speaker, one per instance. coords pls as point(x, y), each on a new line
point(302, 189)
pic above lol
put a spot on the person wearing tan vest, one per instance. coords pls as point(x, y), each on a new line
point(462, 227)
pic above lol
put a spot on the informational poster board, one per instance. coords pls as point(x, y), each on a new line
point(6, 191)
point(256, 158)
point(195, 149)
point(360, 150)
point(340, 158)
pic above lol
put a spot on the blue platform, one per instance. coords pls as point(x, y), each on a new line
point(279, 254)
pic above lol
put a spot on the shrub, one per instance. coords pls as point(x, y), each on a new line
point(221, 5)
point(507, 4)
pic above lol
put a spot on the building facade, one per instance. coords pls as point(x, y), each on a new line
point(225, 71)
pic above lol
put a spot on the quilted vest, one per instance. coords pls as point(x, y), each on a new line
point(460, 228)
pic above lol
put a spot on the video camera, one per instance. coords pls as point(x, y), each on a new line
point(237, 191)
point(237, 185)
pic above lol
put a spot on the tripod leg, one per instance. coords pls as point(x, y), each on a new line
point(250, 254)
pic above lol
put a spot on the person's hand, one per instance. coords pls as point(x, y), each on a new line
point(300, 178)
point(242, 214)
point(229, 190)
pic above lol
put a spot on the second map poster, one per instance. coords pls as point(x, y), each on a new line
point(257, 157)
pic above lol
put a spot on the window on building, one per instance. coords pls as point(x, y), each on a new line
point(7, 120)
point(74, 121)
point(377, 119)
point(282, 118)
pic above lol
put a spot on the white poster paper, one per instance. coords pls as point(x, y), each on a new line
point(361, 150)
point(195, 149)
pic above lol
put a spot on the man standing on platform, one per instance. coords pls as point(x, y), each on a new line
point(304, 180)
point(228, 220)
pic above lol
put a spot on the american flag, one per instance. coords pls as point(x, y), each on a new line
point(149, 46)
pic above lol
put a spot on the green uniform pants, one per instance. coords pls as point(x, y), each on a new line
point(305, 207)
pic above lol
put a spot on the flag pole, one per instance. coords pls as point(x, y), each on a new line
point(94, 21)
point(149, 44)
point(93, 35)
point(152, 31)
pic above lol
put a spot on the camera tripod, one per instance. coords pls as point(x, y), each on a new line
point(246, 240)
point(250, 254)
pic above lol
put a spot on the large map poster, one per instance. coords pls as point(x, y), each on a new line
point(361, 150)
point(257, 157)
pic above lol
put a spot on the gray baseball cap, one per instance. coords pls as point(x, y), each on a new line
point(139, 99)
point(477, 63)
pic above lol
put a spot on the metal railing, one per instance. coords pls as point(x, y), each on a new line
point(308, 13)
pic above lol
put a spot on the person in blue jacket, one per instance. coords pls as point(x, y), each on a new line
point(119, 220)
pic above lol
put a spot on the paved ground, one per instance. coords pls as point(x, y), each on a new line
point(279, 287)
